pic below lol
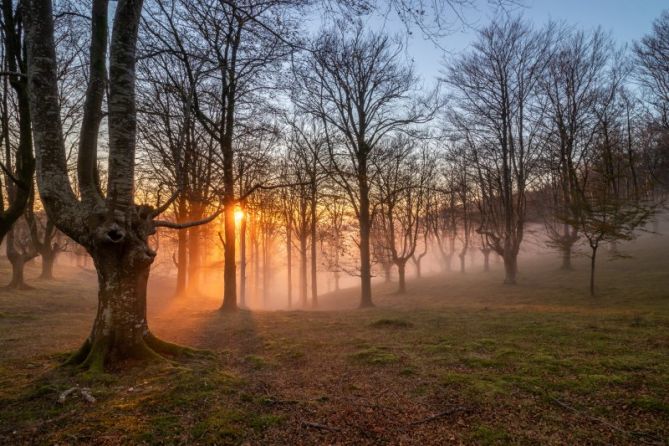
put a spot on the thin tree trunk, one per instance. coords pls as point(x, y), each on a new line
point(566, 258)
point(230, 268)
point(194, 250)
point(593, 258)
point(387, 271)
point(242, 262)
point(182, 263)
point(266, 269)
point(365, 230)
point(289, 262)
point(303, 270)
point(314, 260)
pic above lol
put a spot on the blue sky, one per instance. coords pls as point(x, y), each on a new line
point(626, 20)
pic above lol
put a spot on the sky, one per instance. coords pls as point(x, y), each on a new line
point(626, 20)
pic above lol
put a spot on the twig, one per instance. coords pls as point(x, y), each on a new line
point(640, 435)
point(440, 415)
point(320, 426)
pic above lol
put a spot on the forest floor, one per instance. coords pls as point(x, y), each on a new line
point(459, 359)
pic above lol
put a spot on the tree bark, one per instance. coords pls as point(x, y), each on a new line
point(303, 270)
point(18, 261)
point(194, 262)
point(289, 261)
point(230, 268)
point(486, 260)
point(182, 263)
point(120, 330)
point(510, 268)
point(593, 259)
point(48, 260)
point(242, 262)
point(401, 270)
point(566, 259)
point(314, 260)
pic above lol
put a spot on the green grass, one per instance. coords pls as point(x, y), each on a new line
point(459, 359)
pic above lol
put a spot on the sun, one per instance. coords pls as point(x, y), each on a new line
point(239, 215)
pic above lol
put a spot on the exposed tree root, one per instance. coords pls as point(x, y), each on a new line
point(95, 356)
point(174, 350)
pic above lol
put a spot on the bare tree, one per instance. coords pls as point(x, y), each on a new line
point(610, 203)
point(112, 227)
point(652, 54)
point(231, 52)
point(499, 117)
point(402, 184)
point(572, 86)
point(47, 240)
point(358, 87)
point(19, 165)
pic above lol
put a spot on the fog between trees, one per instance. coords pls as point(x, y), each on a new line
point(203, 136)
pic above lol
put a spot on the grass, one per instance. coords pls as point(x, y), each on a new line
point(460, 359)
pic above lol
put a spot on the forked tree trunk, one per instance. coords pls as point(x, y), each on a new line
point(18, 266)
point(18, 261)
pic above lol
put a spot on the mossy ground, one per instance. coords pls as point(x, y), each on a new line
point(460, 359)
